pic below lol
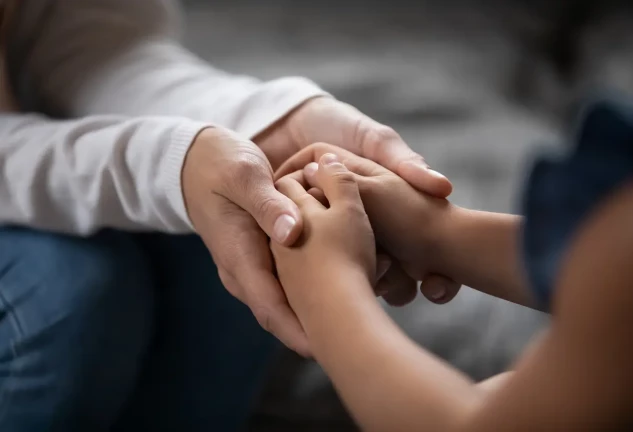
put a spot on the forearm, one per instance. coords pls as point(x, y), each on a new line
point(98, 172)
point(481, 250)
point(125, 58)
point(386, 381)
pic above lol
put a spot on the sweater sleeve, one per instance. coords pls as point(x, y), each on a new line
point(78, 176)
point(72, 58)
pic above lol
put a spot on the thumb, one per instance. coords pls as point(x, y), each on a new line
point(277, 215)
point(386, 147)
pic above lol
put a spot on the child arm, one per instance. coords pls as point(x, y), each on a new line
point(481, 250)
point(431, 236)
point(578, 376)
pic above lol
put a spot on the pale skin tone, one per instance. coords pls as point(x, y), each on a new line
point(576, 376)
point(227, 183)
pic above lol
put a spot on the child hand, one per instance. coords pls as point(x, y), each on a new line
point(406, 223)
point(337, 242)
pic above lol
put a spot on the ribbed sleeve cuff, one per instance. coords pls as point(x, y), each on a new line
point(182, 138)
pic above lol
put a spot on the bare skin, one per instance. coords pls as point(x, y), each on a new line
point(577, 376)
point(405, 223)
point(227, 182)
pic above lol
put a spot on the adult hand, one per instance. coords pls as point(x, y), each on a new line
point(234, 206)
point(324, 119)
point(228, 188)
point(398, 214)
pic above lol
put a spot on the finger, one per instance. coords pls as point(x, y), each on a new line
point(314, 152)
point(271, 309)
point(276, 316)
point(400, 289)
point(385, 146)
point(312, 180)
point(439, 289)
point(299, 177)
point(251, 187)
point(242, 254)
point(296, 192)
point(310, 173)
point(423, 179)
point(314, 192)
point(337, 182)
point(319, 196)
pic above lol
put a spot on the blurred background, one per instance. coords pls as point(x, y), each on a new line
point(475, 86)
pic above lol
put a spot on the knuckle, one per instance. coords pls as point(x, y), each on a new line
point(244, 167)
point(384, 133)
point(354, 210)
point(225, 277)
point(342, 175)
point(230, 284)
point(304, 200)
point(371, 136)
point(228, 262)
point(264, 204)
point(321, 147)
point(380, 134)
point(414, 157)
point(263, 316)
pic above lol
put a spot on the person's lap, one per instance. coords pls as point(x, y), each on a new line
point(210, 354)
point(120, 326)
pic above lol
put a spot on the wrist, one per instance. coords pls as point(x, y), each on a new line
point(438, 235)
point(336, 284)
point(176, 157)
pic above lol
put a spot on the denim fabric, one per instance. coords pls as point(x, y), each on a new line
point(561, 192)
point(121, 332)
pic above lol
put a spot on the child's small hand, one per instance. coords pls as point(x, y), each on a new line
point(406, 222)
point(337, 242)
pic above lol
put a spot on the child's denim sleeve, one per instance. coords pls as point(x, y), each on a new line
point(561, 192)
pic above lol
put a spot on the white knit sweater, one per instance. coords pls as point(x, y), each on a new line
point(111, 103)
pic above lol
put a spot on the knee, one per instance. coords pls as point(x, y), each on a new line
point(76, 313)
point(52, 280)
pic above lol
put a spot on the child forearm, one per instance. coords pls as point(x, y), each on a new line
point(385, 380)
point(482, 250)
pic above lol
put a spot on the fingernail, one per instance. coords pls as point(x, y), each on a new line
point(328, 159)
point(283, 227)
point(436, 293)
point(382, 266)
point(418, 164)
point(311, 169)
point(436, 174)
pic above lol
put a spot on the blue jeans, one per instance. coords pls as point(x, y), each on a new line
point(122, 332)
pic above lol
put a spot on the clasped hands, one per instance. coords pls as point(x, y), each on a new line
point(358, 217)
point(233, 205)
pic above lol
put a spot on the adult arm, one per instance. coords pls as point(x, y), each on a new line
point(82, 57)
point(73, 58)
point(79, 176)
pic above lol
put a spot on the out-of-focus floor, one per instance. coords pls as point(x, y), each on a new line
point(470, 88)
